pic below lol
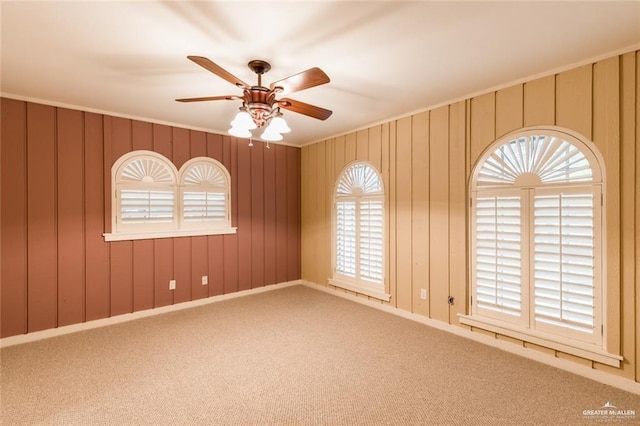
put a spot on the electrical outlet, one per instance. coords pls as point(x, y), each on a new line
point(172, 284)
point(205, 280)
point(423, 293)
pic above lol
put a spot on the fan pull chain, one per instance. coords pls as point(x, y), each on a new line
point(268, 147)
point(250, 141)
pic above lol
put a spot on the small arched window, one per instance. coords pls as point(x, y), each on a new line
point(204, 187)
point(536, 237)
point(359, 231)
point(152, 199)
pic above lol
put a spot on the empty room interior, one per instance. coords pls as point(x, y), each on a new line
point(320, 212)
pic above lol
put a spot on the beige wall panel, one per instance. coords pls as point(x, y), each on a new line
point(539, 101)
point(338, 153)
point(328, 210)
point(306, 195)
point(439, 213)
point(628, 171)
point(323, 186)
point(312, 227)
point(637, 242)
point(362, 145)
point(375, 148)
point(509, 107)
point(516, 342)
point(573, 100)
point(458, 261)
point(483, 112)
point(575, 359)
point(538, 348)
point(606, 136)
point(403, 214)
point(350, 148)
point(389, 136)
point(420, 212)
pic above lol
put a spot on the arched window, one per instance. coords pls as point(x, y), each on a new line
point(358, 219)
point(536, 238)
point(152, 199)
point(204, 187)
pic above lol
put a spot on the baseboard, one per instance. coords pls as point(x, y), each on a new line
point(599, 376)
point(103, 322)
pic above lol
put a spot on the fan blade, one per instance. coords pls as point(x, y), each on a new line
point(306, 109)
point(218, 70)
point(209, 98)
point(303, 80)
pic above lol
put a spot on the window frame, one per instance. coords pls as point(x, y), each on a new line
point(356, 284)
point(175, 228)
point(566, 340)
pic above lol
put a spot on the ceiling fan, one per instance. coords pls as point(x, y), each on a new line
point(259, 104)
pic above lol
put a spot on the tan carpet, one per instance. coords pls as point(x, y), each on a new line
point(293, 356)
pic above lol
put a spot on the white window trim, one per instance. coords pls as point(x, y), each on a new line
point(596, 352)
point(177, 228)
point(378, 291)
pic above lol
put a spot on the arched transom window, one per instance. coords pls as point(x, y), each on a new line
point(359, 231)
point(536, 237)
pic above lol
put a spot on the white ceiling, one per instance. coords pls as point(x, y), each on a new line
point(385, 59)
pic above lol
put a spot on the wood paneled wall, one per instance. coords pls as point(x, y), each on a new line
point(426, 160)
point(56, 204)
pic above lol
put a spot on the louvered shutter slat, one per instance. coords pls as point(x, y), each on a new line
point(145, 206)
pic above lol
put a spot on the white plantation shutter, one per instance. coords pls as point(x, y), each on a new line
point(146, 206)
point(536, 245)
point(564, 260)
point(205, 189)
point(145, 188)
point(346, 238)
point(498, 255)
point(359, 222)
point(371, 240)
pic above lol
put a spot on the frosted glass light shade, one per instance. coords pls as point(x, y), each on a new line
point(271, 135)
point(239, 132)
point(243, 120)
point(279, 125)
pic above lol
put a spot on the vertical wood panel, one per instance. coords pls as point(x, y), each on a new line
point(420, 211)
point(389, 169)
point(362, 145)
point(404, 233)
point(573, 100)
point(182, 269)
point(508, 110)
point(143, 285)
point(606, 136)
point(328, 208)
point(350, 148)
point(97, 293)
point(142, 135)
point(41, 218)
point(162, 271)
point(199, 267)
point(307, 259)
point(375, 148)
point(439, 214)
point(321, 186)
point(13, 220)
point(180, 145)
point(293, 213)
point(198, 144)
point(483, 112)
point(458, 262)
point(257, 215)
point(637, 215)
point(70, 216)
point(244, 214)
point(628, 198)
point(121, 285)
point(281, 213)
point(219, 149)
point(270, 230)
point(539, 101)
point(230, 160)
point(162, 143)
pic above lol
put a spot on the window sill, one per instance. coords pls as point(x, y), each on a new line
point(125, 236)
point(573, 347)
point(369, 291)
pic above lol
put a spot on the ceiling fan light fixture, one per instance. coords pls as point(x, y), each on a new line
point(243, 120)
point(239, 132)
point(271, 135)
point(279, 125)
